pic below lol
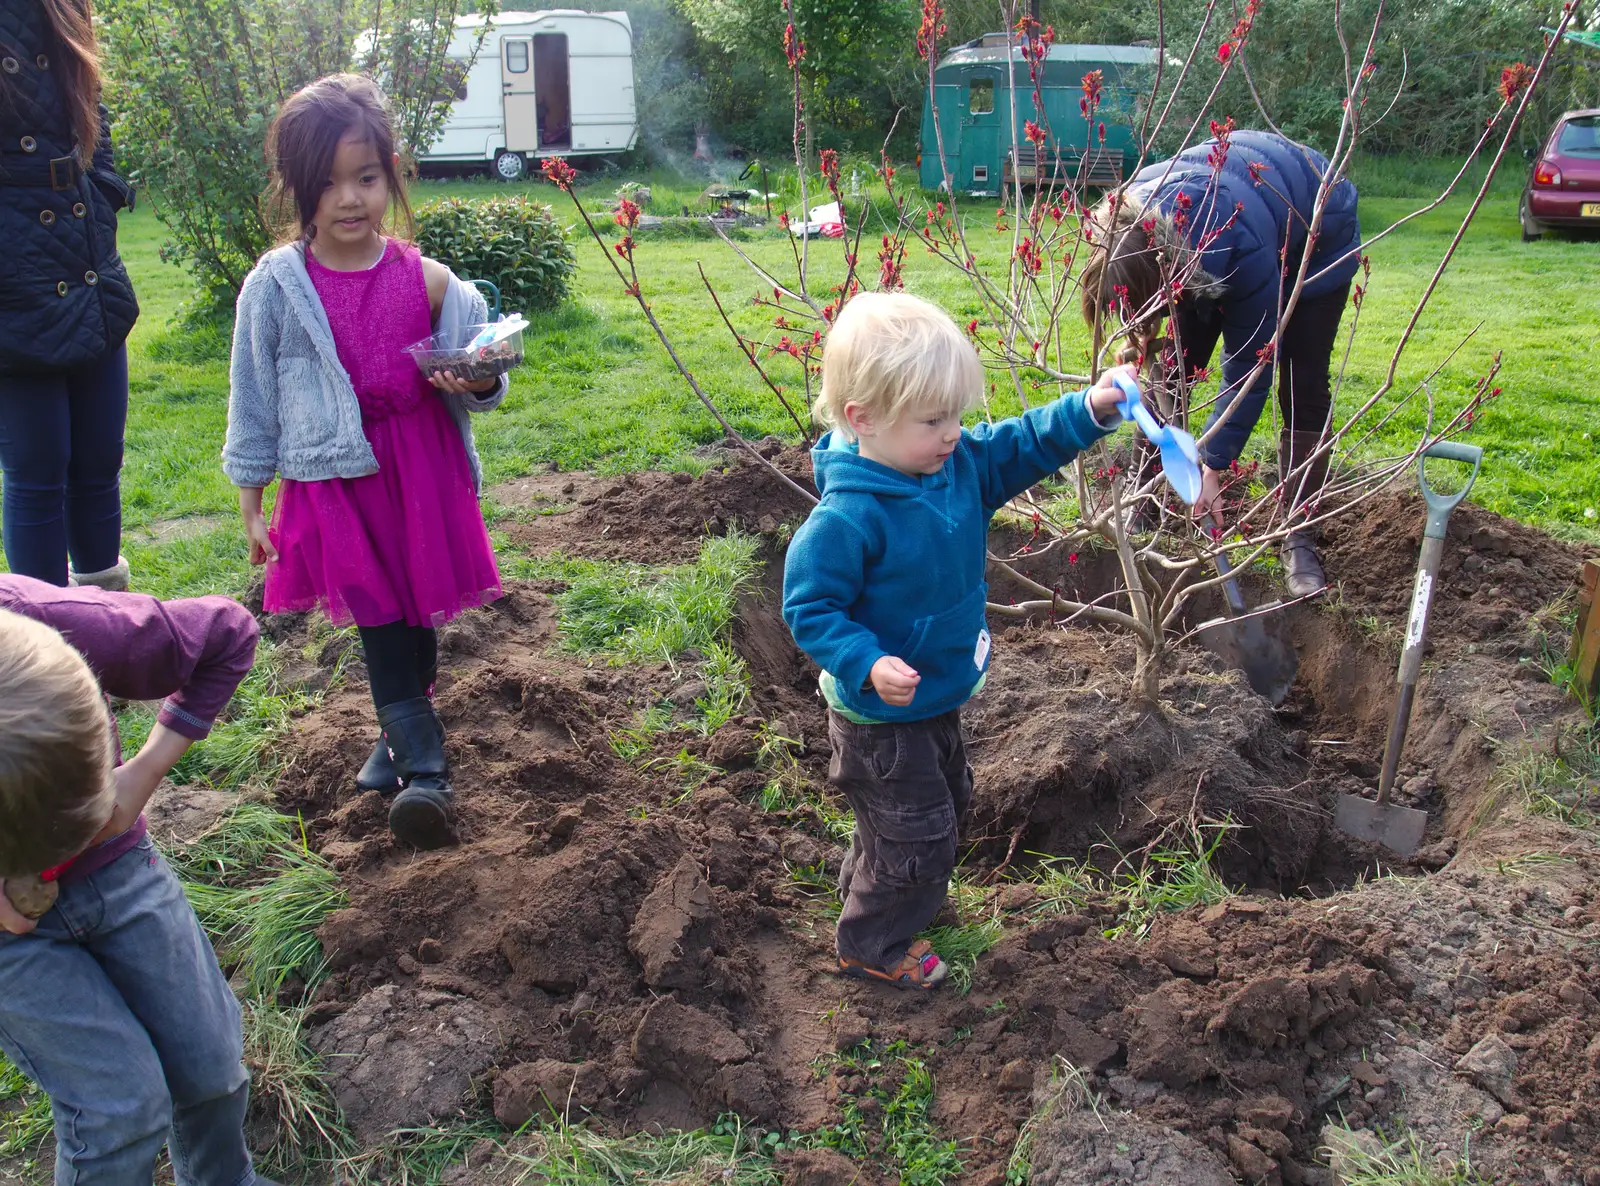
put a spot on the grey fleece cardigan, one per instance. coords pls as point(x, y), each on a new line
point(291, 408)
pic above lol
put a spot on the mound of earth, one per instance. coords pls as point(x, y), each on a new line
point(610, 942)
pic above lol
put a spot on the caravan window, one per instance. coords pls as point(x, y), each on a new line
point(452, 80)
point(517, 56)
point(980, 96)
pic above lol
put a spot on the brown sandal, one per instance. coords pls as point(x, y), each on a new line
point(920, 967)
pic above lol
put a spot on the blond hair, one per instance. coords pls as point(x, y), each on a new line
point(56, 790)
point(891, 353)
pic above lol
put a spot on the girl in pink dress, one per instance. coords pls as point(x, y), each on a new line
point(377, 518)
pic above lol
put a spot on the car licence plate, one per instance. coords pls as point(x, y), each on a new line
point(1589, 210)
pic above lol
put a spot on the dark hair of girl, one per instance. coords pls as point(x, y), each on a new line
point(302, 142)
point(76, 62)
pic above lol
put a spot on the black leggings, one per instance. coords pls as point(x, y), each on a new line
point(402, 661)
point(1305, 353)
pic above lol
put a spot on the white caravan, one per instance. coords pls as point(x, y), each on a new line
point(549, 83)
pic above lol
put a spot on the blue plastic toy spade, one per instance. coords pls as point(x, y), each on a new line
point(1180, 458)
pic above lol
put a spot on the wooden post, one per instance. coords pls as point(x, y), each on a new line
point(1585, 654)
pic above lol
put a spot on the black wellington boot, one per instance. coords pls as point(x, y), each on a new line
point(422, 814)
point(378, 772)
point(1302, 562)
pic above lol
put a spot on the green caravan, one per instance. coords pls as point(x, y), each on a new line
point(981, 86)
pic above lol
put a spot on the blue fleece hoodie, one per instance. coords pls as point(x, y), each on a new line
point(890, 564)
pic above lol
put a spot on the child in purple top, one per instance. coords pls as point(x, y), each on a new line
point(110, 995)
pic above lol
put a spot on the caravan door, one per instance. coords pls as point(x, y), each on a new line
point(553, 79)
point(520, 97)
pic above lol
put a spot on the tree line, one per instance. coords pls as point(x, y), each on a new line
point(720, 64)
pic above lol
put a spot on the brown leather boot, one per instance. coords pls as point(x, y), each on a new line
point(1301, 561)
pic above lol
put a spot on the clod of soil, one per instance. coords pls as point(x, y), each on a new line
point(1085, 1145)
point(394, 1055)
point(641, 951)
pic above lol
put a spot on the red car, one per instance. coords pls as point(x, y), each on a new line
point(1564, 187)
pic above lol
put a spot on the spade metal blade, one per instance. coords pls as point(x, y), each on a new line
point(1397, 828)
point(1269, 663)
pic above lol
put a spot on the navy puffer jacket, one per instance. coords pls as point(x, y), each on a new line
point(65, 299)
point(1273, 216)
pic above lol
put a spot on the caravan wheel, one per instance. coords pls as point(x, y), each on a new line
point(509, 166)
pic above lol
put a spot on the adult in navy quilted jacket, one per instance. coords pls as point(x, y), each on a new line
point(66, 304)
point(1232, 220)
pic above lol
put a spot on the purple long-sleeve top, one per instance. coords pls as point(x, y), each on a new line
point(190, 654)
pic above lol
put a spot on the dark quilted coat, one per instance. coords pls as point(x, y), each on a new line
point(1272, 184)
point(65, 298)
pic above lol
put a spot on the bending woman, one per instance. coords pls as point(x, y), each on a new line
point(1235, 236)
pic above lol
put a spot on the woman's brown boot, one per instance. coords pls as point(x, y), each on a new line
point(1304, 472)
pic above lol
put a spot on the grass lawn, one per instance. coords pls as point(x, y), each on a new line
point(598, 392)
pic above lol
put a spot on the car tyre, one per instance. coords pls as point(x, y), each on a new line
point(509, 166)
point(1532, 228)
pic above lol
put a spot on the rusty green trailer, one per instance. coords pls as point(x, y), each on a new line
point(976, 88)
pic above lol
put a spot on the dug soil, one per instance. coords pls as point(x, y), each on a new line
point(640, 943)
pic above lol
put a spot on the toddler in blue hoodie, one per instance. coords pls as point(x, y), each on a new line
point(884, 588)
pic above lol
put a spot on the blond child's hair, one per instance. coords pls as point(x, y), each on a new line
point(892, 354)
point(56, 789)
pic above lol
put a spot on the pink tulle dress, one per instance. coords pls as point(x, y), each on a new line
point(408, 542)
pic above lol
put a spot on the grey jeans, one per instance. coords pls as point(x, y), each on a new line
point(115, 1006)
point(910, 787)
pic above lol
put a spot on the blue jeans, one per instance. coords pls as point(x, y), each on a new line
point(115, 1006)
point(61, 438)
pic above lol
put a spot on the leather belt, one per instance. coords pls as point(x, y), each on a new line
point(59, 173)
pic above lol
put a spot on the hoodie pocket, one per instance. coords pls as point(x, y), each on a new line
point(954, 642)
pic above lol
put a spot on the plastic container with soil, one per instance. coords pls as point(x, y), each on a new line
point(472, 352)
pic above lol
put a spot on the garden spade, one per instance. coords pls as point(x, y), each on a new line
point(1398, 828)
point(1242, 641)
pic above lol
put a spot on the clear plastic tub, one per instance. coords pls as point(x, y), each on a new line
point(473, 352)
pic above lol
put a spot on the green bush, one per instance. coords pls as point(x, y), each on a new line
point(193, 85)
point(515, 242)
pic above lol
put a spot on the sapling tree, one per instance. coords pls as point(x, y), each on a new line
point(1024, 263)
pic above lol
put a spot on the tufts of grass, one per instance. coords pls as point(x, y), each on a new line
point(1141, 885)
point(1065, 885)
point(261, 893)
point(905, 1137)
point(415, 1156)
point(1176, 878)
point(817, 884)
point(1563, 784)
point(728, 1152)
point(633, 743)
point(961, 946)
point(288, 1096)
point(629, 612)
point(1401, 1162)
point(691, 771)
point(727, 681)
point(25, 1120)
point(787, 788)
point(1068, 1088)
